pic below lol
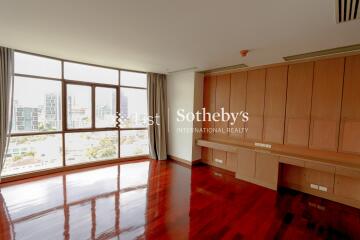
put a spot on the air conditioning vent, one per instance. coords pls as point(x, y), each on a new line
point(347, 10)
point(225, 69)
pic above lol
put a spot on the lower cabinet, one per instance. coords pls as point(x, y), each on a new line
point(246, 164)
point(267, 168)
point(259, 168)
point(347, 187)
point(206, 155)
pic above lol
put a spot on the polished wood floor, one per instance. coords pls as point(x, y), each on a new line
point(165, 200)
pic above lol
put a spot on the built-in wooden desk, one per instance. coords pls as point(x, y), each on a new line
point(332, 175)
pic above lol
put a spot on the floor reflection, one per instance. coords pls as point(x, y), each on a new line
point(164, 200)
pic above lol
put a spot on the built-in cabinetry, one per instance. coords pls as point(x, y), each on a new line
point(309, 112)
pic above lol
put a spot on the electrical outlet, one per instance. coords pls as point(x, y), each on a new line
point(322, 188)
point(219, 161)
point(314, 186)
point(263, 145)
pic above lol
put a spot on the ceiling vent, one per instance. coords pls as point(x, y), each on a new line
point(225, 69)
point(347, 10)
point(326, 52)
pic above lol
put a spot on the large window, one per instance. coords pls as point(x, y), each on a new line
point(67, 113)
point(133, 114)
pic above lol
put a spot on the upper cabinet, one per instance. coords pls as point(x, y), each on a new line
point(209, 100)
point(238, 102)
point(326, 104)
point(275, 101)
point(298, 104)
point(222, 99)
point(255, 104)
point(350, 115)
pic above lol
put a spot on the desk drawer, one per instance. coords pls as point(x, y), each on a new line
point(292, 161)
point(320, 167)
point(349, 172)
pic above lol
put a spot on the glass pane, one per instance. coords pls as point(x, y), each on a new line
point(133, 79)
point(91, 146)
point(105, 107)
point(34, 65)
point(31, 153)
point(78, 106)
point(37, 105)
point(134, 143)
point(133, 108)
point(87, 73)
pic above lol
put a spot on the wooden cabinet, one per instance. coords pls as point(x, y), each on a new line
point(206, 155)
point(266, 169)
point(320, 178)
point(222, 100)
point(237, 102)
point(347, 187)
point(298, 104)
point(326, 104)
point(231, 161)
point(219, 159)
point(275, 101)
point(209, 101)
point(350, 115)
point(246, 164)
point(255, 93)
point(292, 176)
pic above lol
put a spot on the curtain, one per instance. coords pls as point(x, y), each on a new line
point(157, 112)
point(6, 94)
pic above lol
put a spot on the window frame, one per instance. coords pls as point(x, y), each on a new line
point(65, 129)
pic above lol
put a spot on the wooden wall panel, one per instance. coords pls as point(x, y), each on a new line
point(209, 101)
point(326, 104)
point(298, 104)
point(275, 103)
point(255, 94)
point(238, 101)
point(222, 100)
point(350, 115)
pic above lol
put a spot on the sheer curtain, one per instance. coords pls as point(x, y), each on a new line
point(157, 111)
point(6, 94)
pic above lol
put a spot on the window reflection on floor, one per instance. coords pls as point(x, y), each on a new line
point(95, 204)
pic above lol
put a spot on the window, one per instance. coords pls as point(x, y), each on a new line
point(133, 114)
point(31, 153)
point(29, 64)
point(37, 105)
point(133, 79)
point(67, 113)
point(90, 146)
point(86, 73)
point(78, 99)
point(105, 107)
point(133, 108)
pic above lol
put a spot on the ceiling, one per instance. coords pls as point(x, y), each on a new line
point(168, 35)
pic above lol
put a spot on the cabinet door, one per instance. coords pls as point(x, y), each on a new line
point(231, 161)
point(350, 115)
point(246, 164)
point(255, 93)
point(326, 104)
point(206, 155)
point(298, 104)
point(222, 100)
point(209, 101)
point(237, 102)
point(275, 100)
point(267, 168)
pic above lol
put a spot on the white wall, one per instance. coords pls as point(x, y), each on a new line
point(184, 91)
